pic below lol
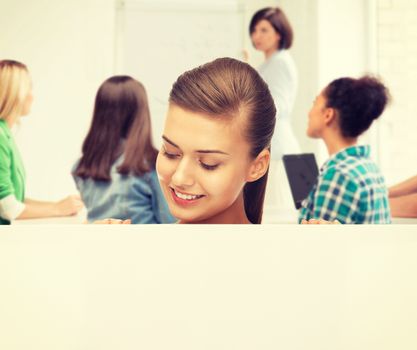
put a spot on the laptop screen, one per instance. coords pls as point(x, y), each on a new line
point(302, 172)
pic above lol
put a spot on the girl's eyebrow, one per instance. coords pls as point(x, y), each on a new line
point(166, 139)
point(211, 151)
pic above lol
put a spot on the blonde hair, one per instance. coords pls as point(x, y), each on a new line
point(15, 85)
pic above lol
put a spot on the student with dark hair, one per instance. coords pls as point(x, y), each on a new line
point(15, 102)
point(116, 173)
point(271, 33)
point(213, 164)
point(350, 187)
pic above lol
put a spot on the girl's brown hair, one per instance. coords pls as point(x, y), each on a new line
point(121, 125)
point(278, 20)
point(228, 88)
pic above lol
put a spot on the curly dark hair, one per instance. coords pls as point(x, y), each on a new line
point(358, 102)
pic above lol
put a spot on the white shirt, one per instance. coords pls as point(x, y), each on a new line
point(280, 73)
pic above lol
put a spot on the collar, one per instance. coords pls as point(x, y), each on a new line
point(349, 152)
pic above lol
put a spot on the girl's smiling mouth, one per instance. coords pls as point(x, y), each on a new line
point(184, 198)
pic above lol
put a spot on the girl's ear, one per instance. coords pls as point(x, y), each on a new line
point(330, 115)
point(259, 166)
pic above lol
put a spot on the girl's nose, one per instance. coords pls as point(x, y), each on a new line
point(183, 176)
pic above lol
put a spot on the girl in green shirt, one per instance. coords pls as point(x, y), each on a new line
point(15, 101)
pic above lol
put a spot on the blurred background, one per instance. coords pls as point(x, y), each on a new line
point(72, 46)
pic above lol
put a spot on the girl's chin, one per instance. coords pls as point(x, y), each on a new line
point(183, 218)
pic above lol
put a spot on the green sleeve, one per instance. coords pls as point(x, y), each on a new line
point(6, 185)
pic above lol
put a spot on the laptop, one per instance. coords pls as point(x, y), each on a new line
point(302, 172)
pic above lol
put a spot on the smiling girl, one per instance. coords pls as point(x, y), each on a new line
point(213, 164)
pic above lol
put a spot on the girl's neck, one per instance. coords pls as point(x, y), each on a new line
point(270, 53)
point(336, 144)
point(11, 121)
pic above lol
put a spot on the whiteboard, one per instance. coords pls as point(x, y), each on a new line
point(156, 42)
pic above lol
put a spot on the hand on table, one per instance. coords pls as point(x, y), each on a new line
point(112, 222)
point(319, 222)
point(70, 205)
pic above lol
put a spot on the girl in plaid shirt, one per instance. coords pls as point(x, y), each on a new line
point(350, 187)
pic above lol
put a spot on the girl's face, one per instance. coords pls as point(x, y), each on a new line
point(27, 103)
point(317, 117)
point(264, 37)
point(203, 166)
point(28, 99)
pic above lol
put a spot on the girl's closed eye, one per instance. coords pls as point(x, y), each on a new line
point(169, 155)
point(209, 166)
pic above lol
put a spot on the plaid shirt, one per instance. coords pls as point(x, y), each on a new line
point(350, 188)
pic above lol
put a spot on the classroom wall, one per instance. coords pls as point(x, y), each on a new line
point(68, 46)
point(397, 63)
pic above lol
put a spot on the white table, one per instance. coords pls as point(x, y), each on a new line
point(194, 287)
